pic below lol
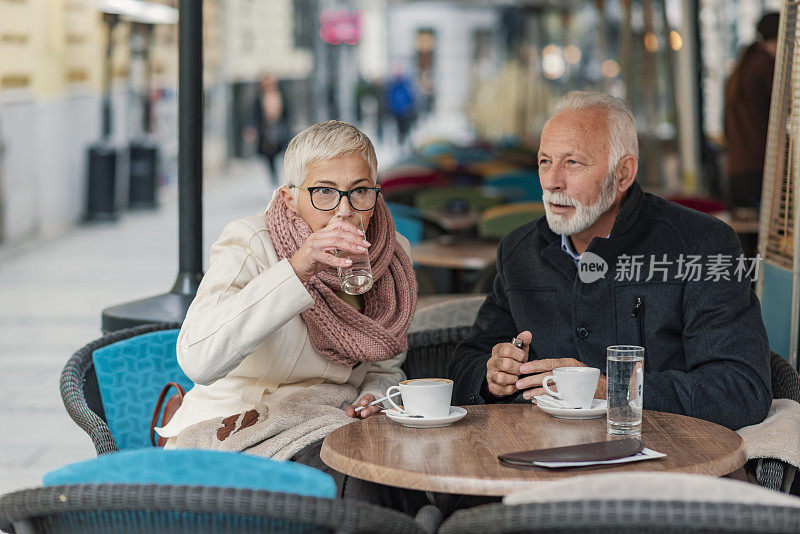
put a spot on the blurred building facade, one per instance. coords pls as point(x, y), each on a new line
point(478, 69)
point(50, 84)
point(443, 46)
point(52, 61)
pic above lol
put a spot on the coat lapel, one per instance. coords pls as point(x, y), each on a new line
point(553, 254)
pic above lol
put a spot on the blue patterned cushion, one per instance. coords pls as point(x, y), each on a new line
point(195, 467)
point(131, 374)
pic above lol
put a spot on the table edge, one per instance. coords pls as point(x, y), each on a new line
point(499, 488)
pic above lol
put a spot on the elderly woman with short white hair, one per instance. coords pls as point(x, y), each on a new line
point(279, 355)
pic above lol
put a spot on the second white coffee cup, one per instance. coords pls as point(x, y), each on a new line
point(428, 397)
point(576, 385)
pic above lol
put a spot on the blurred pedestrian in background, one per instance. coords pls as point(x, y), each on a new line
point(271, 124)
point(401, 101)
point(747, 99)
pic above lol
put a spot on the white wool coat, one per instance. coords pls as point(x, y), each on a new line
point(243, 341)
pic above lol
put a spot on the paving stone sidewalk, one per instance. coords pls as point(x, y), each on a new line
point(52, 293)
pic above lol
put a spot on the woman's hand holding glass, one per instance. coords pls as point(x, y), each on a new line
point(316, 254)
point(367, 410)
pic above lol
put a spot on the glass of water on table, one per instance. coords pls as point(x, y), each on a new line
point(357, 278)
point(624, 379)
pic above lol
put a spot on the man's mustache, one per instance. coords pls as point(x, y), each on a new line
point(559, 198)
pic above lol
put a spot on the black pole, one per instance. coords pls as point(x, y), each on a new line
point(702, 148)
point(171, 307)
point(190, 147)
point(147, 119)
point(111, 22)
point(101, 164)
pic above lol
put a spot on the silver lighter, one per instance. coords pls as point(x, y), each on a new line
point(517, 342)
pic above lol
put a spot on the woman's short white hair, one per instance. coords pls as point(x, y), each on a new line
point(324, 141)
point(622, 137)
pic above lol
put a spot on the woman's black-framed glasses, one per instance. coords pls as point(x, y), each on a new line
point(326, 198)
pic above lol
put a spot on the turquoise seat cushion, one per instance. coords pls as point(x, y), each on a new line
point(403, 210)
point(409, 228)
point(131, 374)
point(195, 467)
point(525, 182)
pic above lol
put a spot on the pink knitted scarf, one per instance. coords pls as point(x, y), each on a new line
point(338, 331)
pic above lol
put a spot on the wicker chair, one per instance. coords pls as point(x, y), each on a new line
point(132, 508)
point(635, 502)
point(435, 332)
point(785, 379)
point(428, 355)
point(81, 393)
point(623, 516)
point(446, 312)
point(773, 473)
point(429, 351)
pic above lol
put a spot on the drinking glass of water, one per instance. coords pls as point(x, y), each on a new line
point(624, 379)
point(357, 278)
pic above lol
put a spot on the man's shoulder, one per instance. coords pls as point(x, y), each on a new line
point(527, 234)
point(687, 224)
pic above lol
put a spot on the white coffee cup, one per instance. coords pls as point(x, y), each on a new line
point(428, 397)
point(576, 385)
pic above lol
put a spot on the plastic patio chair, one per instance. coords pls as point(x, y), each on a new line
point(411, 222)
point(496, 222)
point(411, 229)
point(701, 204)
point(421, 181)
point(437, 148)
point(441, 198)
point(403, 189)
point(527, 183)
point(407, 170)
point(146, 365)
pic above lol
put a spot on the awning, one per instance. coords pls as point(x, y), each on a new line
point(140, 11)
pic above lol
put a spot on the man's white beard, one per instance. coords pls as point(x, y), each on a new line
point(583, 216)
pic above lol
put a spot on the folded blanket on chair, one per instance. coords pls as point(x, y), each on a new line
point(777, 436)
point(276, 430)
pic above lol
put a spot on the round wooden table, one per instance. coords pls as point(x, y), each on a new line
point(461, 254)
point(454, 222)
point(462, 458)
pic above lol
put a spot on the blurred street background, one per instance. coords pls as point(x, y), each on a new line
point(89, 135)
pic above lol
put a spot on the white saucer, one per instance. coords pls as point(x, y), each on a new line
point(598, 409)
point(456, 413)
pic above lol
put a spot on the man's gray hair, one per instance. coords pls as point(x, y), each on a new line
point(324, 141)
point(622, 137)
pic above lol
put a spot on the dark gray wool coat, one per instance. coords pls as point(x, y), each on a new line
point(706, 349)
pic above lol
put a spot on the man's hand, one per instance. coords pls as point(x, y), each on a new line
point(366, 412)
point(503, 368)
point(538, 369)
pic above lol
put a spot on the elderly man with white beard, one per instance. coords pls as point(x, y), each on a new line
point(706, 349)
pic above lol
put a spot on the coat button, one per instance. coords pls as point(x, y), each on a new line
point(583, 332)
point(472, 397)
